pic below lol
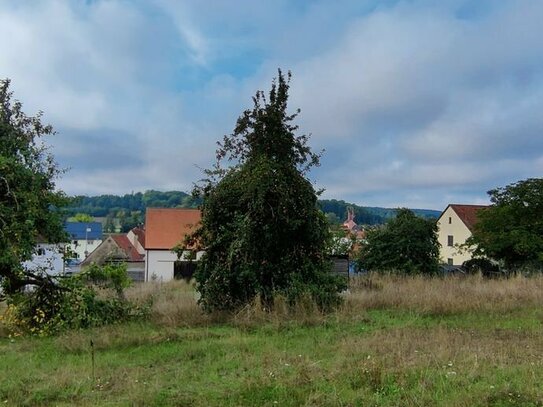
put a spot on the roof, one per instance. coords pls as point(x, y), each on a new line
point(467, 213)
point(124, 244)
point(116, 246)
point(140, 233)
point(84, 230)
point(165, 228)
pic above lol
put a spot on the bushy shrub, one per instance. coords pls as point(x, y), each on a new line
point(72, 303)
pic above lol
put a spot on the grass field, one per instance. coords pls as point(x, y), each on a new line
point(396, 342)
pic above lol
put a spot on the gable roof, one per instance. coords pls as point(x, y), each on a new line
point(140, 233)
point(467, 213)
point(114, 247)
point(78, 230)
point(127, 247)
point(165, 228)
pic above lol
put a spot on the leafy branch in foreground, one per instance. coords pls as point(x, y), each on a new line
point(28, 198)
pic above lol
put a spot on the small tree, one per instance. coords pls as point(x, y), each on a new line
point(511, 229)
point(406, 244)
point(261, 228)
point(27, 193)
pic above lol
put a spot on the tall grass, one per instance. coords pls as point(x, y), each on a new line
point(175, 303)
point(445, 295)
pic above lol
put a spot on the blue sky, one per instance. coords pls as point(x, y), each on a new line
point(417, 103)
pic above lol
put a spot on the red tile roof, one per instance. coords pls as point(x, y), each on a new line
point(140, 233)
point(124, 244)
point(165, 228)
point(468, 213)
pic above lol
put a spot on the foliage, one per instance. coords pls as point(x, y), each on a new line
point(27, 193)
point(341, 243)
point(113, 276)
point(261, 228)
point(406, 244)
point(127, 211)
point(81, 217)
point(73, 303)
point(366, 215)
point(511, 229)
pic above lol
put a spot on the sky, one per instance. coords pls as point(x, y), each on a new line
point(416, 103)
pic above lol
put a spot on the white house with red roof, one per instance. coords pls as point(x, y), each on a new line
point(455, 227)
point(166, 228)
point(125, 248)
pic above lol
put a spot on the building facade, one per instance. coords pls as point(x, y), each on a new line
point(166, 228)
point(455, 227)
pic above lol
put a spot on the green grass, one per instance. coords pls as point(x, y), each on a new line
point(466, 342)
point(387, 358)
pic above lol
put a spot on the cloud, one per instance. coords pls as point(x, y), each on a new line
point(417, 103)
point(418, 99)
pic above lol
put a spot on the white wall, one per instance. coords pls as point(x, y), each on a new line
point(82, 246)
point(159, 264)
point(48, 257)
point(450, 224)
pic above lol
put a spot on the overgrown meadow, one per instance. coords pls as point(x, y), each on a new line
point(396, 341)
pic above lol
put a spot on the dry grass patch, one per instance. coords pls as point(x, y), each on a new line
point(446, 295)
point(174, 303)
point(305, 312)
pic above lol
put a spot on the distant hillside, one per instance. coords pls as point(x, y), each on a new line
point(336, 211)
point(121, 213)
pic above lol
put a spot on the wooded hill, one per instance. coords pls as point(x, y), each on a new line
point(126, 211)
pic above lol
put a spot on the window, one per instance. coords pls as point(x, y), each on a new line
point(450, 240)
point(450, 262)
point(450, 220)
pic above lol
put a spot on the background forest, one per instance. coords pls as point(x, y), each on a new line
point(123, 212)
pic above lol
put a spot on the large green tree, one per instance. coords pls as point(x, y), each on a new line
point(261, 228)
point(27, 193)
point(511, 229)
point(406, 244)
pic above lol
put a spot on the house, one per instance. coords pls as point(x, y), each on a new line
point(84, 238)
point(455, 227)
point(164, 229)
point(121, 248)
point(48, 257)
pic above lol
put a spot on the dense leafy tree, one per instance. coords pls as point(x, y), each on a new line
point(27, 193)
point(511, 229)
point(406, 244)
point(261, 228)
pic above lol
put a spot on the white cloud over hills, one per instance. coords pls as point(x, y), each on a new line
point(416, 104)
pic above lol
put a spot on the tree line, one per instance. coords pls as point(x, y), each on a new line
point(123, 212)
point(128, 210)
